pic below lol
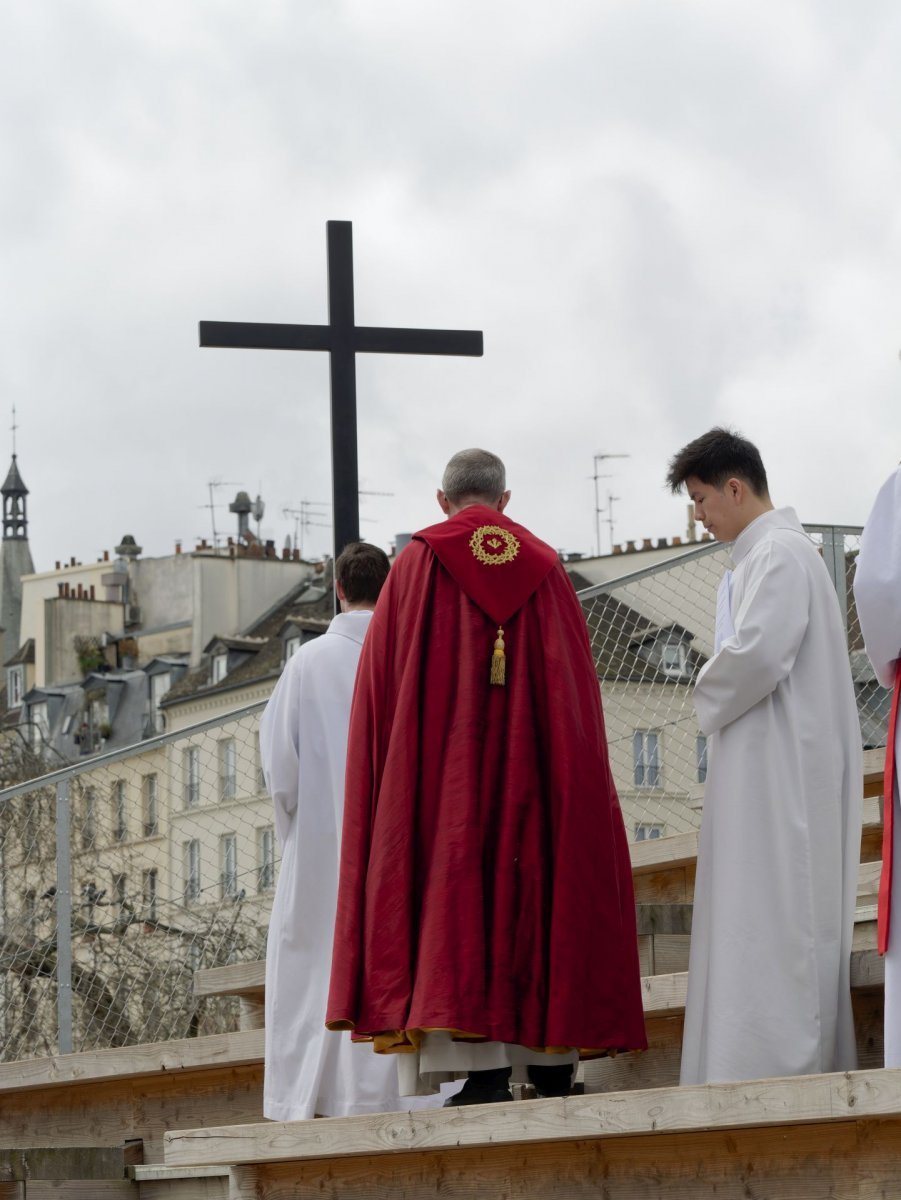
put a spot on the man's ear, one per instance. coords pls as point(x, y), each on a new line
point(339, 588)
point(504, 501)
point(443, 502)
point(736, 490)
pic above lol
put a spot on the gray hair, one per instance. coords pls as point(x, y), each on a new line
point(474, 474)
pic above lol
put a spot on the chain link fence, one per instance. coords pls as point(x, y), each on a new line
point(120, 878)
point(652, 632)
point(123, 875)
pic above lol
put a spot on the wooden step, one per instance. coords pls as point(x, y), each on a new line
point(81, 1172)
point(812, 1137)
point(158, 1182)
point(132, 1091)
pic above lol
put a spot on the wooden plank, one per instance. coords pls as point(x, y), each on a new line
point(851, 1161)
point(774, 1102)
point(113, 1110)
point(235, 980)
point(152, 1058)
point(182, 1183)
point(81, 1189)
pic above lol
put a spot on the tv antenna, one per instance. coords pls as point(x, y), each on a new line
point(598, 459)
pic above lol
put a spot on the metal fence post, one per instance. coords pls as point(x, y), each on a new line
point(63, 917)
point(834, 558)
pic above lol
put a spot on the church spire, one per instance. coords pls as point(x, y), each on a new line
point(14, 491)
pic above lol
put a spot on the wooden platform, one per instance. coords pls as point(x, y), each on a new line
point(816, 1137)
point(105, 1097)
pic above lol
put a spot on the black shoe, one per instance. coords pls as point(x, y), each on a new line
point(551, 1082)
point(476, 1095)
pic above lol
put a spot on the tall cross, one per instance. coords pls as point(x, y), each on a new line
point(343, 340)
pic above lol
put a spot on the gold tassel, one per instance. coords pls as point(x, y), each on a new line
point(499, 660)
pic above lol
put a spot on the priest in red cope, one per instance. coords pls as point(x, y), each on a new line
point(486, 917)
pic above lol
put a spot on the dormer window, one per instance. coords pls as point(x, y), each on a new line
point(219, 667)
point(15, 686)
point(292, 644)
point(674, 658)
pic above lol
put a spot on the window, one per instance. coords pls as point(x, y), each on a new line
point(150, 805)
point(192, 776)
point(261, 775)
point(292, 645)
point(673, 658)
point(228, 855)
point(265, 858)
point(120, 893)
point(159, 685)
point(646, 757)
point(89, 820)
point(701, 749)
point(120, 816)
point(227, 769)
point(645, 831)
point(192, 870)
point(219, 668)
point(149, 882)
point(31, 911)
point(15, 686)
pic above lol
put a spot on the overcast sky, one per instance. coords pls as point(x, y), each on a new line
point(663, 215)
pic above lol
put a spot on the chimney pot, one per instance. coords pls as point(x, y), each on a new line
point(106, 555)
point(178, 547)
point(617, 549)
point(662, 543)
point(72, 561)
point(648, 544)
point(92, 592)
point(60, 587)
point(677, 541)
point(58, 566)
point(630, 547)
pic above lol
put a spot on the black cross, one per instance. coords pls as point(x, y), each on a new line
point(343, 340)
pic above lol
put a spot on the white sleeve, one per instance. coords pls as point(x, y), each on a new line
point(769, 628)
point(877, 581)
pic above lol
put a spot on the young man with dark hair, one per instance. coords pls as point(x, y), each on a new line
point(776, 887)
point(303, 741)
point(486, 918)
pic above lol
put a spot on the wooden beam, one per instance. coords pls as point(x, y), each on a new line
point(153, 1058)
point(771, 1102)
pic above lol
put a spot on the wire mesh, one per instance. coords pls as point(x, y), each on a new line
point(171, 850)
point(651, 634)
point(173, 861)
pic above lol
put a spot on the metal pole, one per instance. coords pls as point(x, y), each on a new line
point(63, 917)
point(834, 558)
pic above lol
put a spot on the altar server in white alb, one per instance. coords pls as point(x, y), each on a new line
point(769, 966)
point(303, 742)
point(877, 590)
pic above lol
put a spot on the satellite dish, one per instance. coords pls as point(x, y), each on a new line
point(257, 509)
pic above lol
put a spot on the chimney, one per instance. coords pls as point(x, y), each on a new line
point(60, 587)
point(677, 541)
point(692, 531)
point(93, 597)
point(630, 547)
point(59, 566)
point(178, 547)
point(662, 543)
point(648, 544)
point(106, 555)
point(72, 561)
point(617, 549)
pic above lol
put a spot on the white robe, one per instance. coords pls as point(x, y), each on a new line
point(303, 744)
point(877, 590)
point(776, 887)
